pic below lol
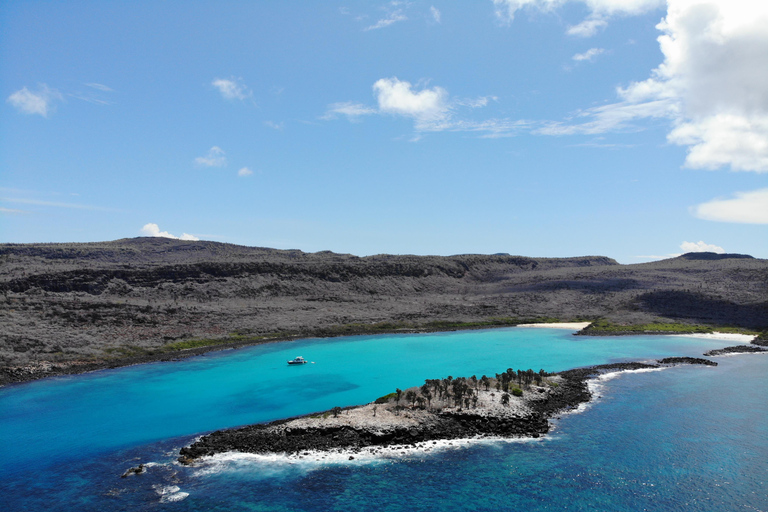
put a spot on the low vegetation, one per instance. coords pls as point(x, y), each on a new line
point(604, 327)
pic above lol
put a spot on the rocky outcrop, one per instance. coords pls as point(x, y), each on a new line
point(738, 349)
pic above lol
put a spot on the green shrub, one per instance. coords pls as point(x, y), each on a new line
point(517, 391)
point(386, 398)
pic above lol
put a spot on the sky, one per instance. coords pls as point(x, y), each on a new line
point(634, 129)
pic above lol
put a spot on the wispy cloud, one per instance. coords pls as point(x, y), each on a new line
point(232, 88)
point(588, 27)
point(100, 87)
point(152, 229)
point(11, 211)
point(41, 101)
point(588, 55)
point(54, 204)
point(214, 158)
point(600, 11)
point(394, 14)
point(348, 108)
point(610, 118)
point(244, 172)
point(275, 126)
point(436, 15)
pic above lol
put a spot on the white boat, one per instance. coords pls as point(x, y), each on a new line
point(298, 360)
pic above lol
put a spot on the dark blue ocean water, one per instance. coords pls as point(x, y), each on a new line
point(685, 438)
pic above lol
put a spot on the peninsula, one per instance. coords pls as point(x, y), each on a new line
point(511, 404)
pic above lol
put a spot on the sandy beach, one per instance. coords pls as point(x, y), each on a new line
point(741, 338)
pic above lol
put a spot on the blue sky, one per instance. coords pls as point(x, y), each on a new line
point(634, 129)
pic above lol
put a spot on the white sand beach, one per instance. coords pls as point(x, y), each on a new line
point(576, 326)
point(741, 338)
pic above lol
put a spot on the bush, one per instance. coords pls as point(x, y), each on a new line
point(517, 391)
point(386, 398)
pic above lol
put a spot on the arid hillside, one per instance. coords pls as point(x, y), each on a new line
point(65, 302)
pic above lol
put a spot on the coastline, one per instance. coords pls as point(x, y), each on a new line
point(379, 425)
point(46, 369)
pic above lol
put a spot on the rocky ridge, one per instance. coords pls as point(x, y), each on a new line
point(73, 307)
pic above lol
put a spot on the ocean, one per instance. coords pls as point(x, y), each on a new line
point(682, 438)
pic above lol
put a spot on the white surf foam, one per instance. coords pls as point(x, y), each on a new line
point(169, 493)
point(275, 464)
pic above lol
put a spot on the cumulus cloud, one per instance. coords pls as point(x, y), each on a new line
point(42, 101)
point(398, 97)
point(244, 172)
point(214, 158)
point(231, 88)
point(588, 55)
point(712, 85)
point(744, 208)
point(431, 108)
point(714, 69)
point(701, 247)
point(152, 229)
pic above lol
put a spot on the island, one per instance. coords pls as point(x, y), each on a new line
point(512, 404)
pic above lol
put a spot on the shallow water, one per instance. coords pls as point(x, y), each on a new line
point(686, 438)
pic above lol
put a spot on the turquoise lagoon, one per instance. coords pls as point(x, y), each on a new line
point(685, 438)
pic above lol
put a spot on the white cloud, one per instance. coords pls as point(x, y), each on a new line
point(745, 208)
point(587, 28)
point(53, 204)
point(38, 102)
point(275, 126)
point(611, 117)
point(505, 10)
point(11, 211)
point(244, 172)
point(100, 87)
point(588, 55)
point(435, 14)
point(152, 229)
point(712, 85)
point(398, 97)
point(392, 17)
point(231, 88)
point(714, 68)
point(214, 158)
point(431, 109)
point(349, 109)
point(701, 247)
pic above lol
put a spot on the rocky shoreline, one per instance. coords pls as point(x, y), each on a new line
point(387, 423)
point(738, 349)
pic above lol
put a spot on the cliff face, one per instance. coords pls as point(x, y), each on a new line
point(63, 302)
